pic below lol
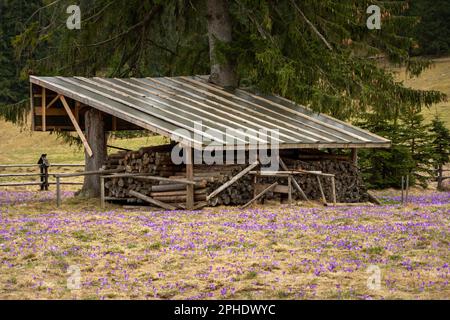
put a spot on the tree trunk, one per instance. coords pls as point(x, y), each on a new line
point(219, 30)
point(97, 139)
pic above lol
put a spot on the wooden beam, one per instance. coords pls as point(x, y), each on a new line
point(373, 199)
point(278, 189)
point(151, 200)
point(77, 127)
point(58, 191)
point(290, 189)
point(333, 189)
point(53, 101)
point(321, 190)
point(359, 204)
point(44, 107)
point(189, 156)
point(102, 192)
point(232, 180)
point(260, 195)
point(114, 124)
point(32, 107)
point(355, 156)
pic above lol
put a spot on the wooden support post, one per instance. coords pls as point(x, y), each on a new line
point(407, 189)
point(333, 189)
point(260, 194)
point(32, 107)
point(114, 123)
point(44, 108)
point(290, 189)
point(403, 192)
point(77, 127)
point(321, 190)
point(295, 183)
point(255, 180)
point(58, 191)
point(190, 177)
point(102, 192)
point(355, 156)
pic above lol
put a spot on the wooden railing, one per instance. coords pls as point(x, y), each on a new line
point(43, 166)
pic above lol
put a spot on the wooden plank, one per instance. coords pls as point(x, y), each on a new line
point(140, 177)
point(143, 105)
point(189, 156)
point(296, 185)
point(290, 189)
point(20, 175)
point(219, 120)
point(88, 173)
point(256, 116)
point(259, 110)
point(102, 192)
point(134, 116)
point(50, 112)
point(336, 126)
point(278, 189)
point(151, 200)
point(333, 189)
point(32, 107)
point(321, 190)
point(58, 192)
point(354, 157)
point(233, 180)
point(292, 172)
point(359, 204)
point(77, 127)
point(260, 195)
point(373, 199)
point(20, 184)
point(53, 101)
point(18, 165)
point(44, 107)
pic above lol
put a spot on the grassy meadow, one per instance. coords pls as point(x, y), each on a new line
point(271, 252)
point(435, 78)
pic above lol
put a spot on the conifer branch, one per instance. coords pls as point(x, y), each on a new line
point(312, 26)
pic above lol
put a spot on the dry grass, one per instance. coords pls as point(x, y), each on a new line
point(223, 253)
point(436, 78)
point(22, 146)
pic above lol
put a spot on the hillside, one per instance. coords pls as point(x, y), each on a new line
point(24, 146)
point(435, 78)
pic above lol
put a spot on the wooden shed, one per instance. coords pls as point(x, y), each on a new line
point(172, 107)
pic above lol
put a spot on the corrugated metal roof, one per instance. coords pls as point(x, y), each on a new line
point(172, 106)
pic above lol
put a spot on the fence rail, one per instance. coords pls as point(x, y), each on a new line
point(43, 165)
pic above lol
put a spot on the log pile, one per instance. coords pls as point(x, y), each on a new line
point(156, 161)
point(350, 187)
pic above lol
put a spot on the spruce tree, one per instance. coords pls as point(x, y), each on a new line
point(440, 146)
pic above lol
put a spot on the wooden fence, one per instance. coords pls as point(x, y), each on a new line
point(42, 171)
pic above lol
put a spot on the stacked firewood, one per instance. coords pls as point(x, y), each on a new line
point(156, 162)
point(350, 187)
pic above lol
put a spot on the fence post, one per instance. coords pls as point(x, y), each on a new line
point(58, 191)
point(43, 166)
point(403, 192)
point(102, 191)
point(407, 188)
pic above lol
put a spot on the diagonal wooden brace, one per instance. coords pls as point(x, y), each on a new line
point(77, 127)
